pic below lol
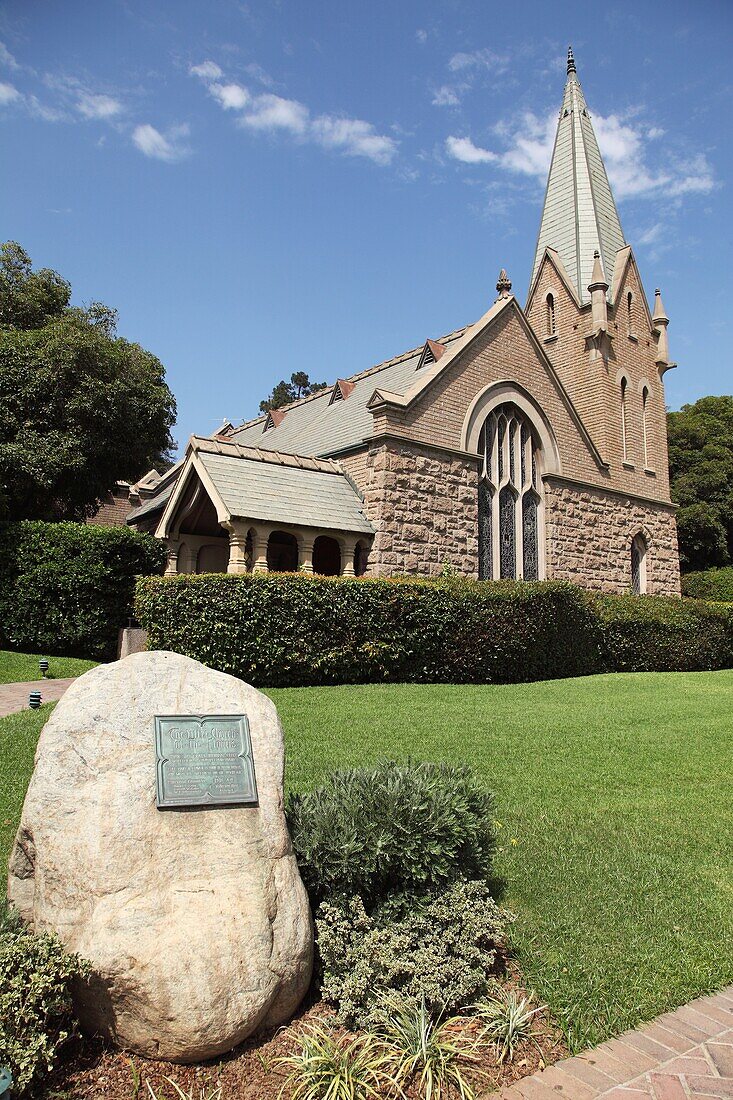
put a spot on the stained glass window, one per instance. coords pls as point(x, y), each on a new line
point(485, 548)
point(507, 534)
point(531, 570)
point(638, 565)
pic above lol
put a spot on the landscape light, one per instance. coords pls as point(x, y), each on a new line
point(34, 700)
point(43, 665)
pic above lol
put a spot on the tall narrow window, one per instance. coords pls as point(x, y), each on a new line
point(551, 330)
point(624, 447)
point(509, 497)
point(638, 565)
point(644, 403)
point(629, 314)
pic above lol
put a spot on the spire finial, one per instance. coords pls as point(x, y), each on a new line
point(503, 285)
point(571, 61)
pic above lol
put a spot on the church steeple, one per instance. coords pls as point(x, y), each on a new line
point(579, 216)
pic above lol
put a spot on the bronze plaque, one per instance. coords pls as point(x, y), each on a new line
point(204, 760)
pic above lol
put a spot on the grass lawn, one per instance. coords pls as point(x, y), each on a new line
point(17, 667)
point(616, 812)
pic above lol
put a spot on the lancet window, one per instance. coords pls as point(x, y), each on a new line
point(510, 497)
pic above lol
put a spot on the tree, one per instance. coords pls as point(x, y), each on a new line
point(284, 392)
point(701, 477)
point(80, 407)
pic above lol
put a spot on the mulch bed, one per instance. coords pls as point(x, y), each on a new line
point(92, 1070)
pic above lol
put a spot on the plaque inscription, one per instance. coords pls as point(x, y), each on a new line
point(204, 760)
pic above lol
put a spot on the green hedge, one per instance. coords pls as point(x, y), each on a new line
point(285, 629)
point(67, 588)
point(711, 584)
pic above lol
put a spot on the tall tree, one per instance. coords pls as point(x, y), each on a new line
point(284, 392)
point(701, 475)
point(80, 407)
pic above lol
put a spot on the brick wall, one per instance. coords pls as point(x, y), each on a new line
point(114, 509)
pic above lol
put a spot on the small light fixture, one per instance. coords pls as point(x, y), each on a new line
point(34, 700)
point(43, 665)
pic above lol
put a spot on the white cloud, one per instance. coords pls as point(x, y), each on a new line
point(98, 106)
point(446, 96)
point(422, 36)
point(43, 111)
point(233, 97)
point(207, 70)
point(272, 112)
point(8, 94)
point(355, 137)
point(478, 59)
point(7, 59)
point(464, 150)
point(169, 147)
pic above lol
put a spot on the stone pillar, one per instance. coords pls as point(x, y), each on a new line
point(305, 552)
point(237, 547)
point(260, 535)
point(348, 549)
point(171, 569)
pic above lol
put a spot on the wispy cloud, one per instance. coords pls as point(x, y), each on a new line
point(8, 94)
point(270, 113)
point(170, 146)
point(479, 59)
point(98, 106)
point(446, 96)
point(7, 59)
point(464, 150)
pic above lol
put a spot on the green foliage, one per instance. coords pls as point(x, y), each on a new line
point(711, 584)
point(326, 1067)
point(701, 473)
point(79, 407)
point(392, 829)
point(68, 587)
point(284, 392)
point(36, 976)
point(664, 634)
point(508, 1019)
point(431, 1052)
point(290, 630)
point(214, 1094)
point(439, 949)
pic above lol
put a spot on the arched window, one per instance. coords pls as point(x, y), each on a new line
point(510, 500)
point(551, 330)
point(638, 565)
point(629, 314)
point(624, 442)
point(644, 403)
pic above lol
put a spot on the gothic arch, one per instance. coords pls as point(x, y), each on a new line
point(499, 393)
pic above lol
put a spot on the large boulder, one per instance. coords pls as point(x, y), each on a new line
point(195, 921)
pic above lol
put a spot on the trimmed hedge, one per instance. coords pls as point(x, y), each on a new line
point(67, 588)
point(285, 629)
point(711, 584)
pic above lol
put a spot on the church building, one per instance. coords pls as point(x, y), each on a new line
point(531, 444)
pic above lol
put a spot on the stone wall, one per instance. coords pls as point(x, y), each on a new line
point(588, 537)
point(425, 506)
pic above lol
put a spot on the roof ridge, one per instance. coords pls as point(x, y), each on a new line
point(225, 447)
point(352, 378)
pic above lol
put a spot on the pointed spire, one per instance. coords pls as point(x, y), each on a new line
point(660, 320)
point(579, 214)
point(659, 316)
point(503, 285)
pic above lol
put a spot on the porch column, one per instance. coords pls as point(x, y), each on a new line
point(260, 535)
point(305, 552)
point(171, 569)
point(237, 547)
point(348, 549)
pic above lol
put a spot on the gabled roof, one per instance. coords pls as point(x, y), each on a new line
point(257, 484)
point(579, 213)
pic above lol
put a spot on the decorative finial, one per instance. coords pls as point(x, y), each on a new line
point(571, 61)
point(596, 255)
point(503, 285)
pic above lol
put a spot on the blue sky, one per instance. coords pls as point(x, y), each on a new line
point(261, 187)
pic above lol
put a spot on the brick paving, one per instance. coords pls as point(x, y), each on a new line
point(684, 1055)
point(14, 697)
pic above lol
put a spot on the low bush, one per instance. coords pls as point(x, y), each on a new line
point(68, 587)
point(285, 629)
point(710, 584)
point(664, 634)
point(441, 950)
point(36, 975)
point(391, 829)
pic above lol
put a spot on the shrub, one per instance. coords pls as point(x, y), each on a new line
point(68, 587)
point(330, 1067)
point(711, 584)
point(659, 634)
point(434, 1053)
point(36, 975)
point(508, 1020)
point(289, 629)
point(395, 828)
point(439, 949)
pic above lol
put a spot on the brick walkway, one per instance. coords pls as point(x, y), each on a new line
point(14, 697)
point(684, 1055)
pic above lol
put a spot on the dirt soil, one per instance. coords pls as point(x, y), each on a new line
point(92, 1070)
